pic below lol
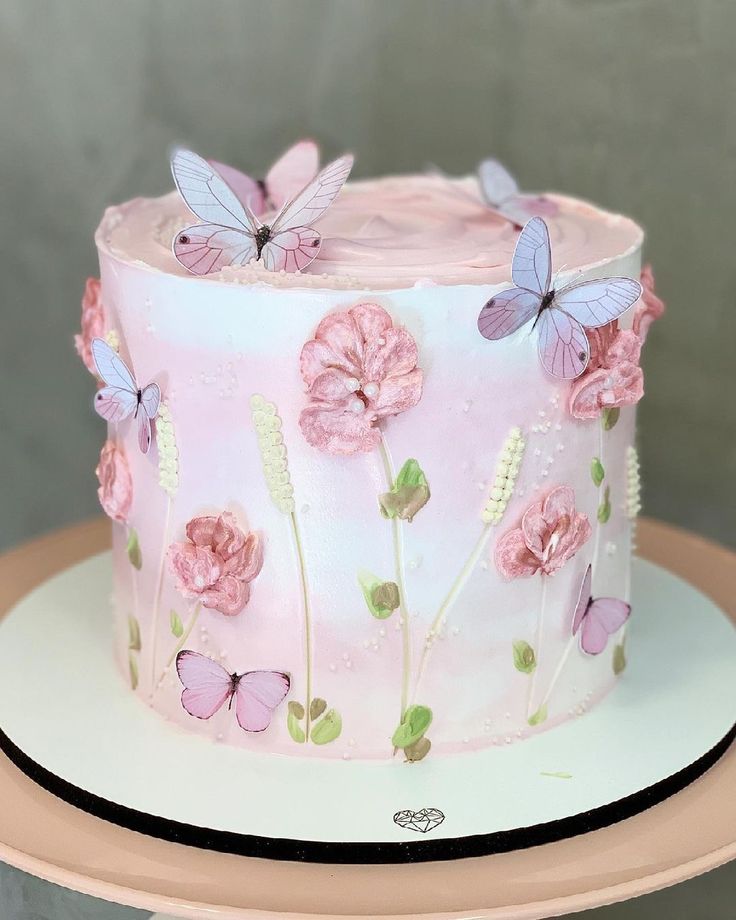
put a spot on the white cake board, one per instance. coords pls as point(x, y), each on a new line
point(70, 721)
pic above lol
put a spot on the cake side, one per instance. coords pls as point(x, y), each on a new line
point(377, 584)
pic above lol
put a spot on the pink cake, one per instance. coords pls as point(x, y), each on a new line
point(351, 488)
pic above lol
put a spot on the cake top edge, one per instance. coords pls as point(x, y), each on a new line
point(388, 233)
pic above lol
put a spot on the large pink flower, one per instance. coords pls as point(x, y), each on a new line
point(358, 368)
point(116, 486)
point(93, 323)
point(216, 563)
point(613, 377)
point(551, 532)
point(649, 306)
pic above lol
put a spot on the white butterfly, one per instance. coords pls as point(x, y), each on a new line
point(231, 233)
point(122, 397)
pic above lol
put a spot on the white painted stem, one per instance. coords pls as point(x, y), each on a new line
point(398, 547)
point(530, 710)
point(449, 602)
point(157, 596)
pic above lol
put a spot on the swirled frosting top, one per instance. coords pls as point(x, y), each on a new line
point(387, 233)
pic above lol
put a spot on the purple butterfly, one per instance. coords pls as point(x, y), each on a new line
point(231, 234)
point(561, 314)
point(122, 397)
point(502, 194)
point(208, 686)
point(597, 619)
point(286, 178)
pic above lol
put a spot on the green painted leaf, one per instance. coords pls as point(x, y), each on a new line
point(414, 724)
point(328, 728)
point(133, 666)
point(619, 658)
point(524, 658)
point(597, 473)
point(408, 495)
point(296, 709)
point(134, 635)
point(381, 597)
point(134, 550)
point(609, 417)
point(604, 510)
point(316, 708)
point(295, 729)
point(539, 716)
point(177, 627)
point(418, 751)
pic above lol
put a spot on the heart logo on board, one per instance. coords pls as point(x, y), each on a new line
point(422, 821)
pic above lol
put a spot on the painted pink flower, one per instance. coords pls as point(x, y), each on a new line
point(649, 306)
point(613, 377)
point(358, 368)
point(551, 532)
point(93, 323)
point(216, 563)
point(116, 486)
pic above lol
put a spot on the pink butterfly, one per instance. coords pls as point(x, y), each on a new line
point(502, 194)
point(597, 619)
point(207, 686)
point(122, 397)
point(561, 314)
point(232, 234)
point(288, 176)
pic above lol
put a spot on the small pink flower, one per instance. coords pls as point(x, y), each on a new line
point(613, 377)
point(359, 368)
point(216, 563)
point(116, 486)
point(93, 323)
point(551, 532)
point(649, 307)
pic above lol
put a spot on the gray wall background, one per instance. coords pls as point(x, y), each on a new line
point(628, 102)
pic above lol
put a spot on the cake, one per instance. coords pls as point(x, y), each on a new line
point(363, 529)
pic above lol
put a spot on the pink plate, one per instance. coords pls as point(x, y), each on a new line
point(48, 838)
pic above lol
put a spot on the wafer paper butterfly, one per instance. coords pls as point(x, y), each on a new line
point(121, 396)
point(597, 619)
point(208, 686)
point(561, 314)
point(502, 194)
point(288, 176)
point(232, 234)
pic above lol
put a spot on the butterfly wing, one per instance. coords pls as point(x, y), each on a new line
point(496, 182)
point(506, 312)
point(207, 195)
point(531, 267)
point(292, 172)
point(248, 191)
point(207, 685)
point(111, 368)
point(595, 303)
point(115, 404)
point(207, 248)
point(605, 616)
point(313, 200)
point(257, 695)
point(291, 250)
point(151, 400)
point(144, 431)
point(563, 346)
point(584, 600)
